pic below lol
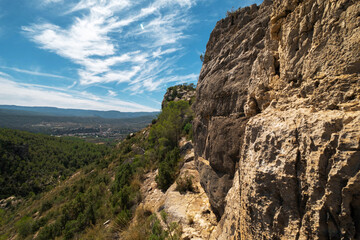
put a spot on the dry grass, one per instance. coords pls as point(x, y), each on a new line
point(140, 227)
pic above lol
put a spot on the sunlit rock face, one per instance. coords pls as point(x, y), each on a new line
point(277, 126)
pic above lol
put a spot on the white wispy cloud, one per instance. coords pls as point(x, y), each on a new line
point(5, 75)
point(112, 93)
point(105, 40)
point(51, 1)
point(37, 95)
point(164, 32)
point(151, 84)
point(36, 73)
point(158, 52)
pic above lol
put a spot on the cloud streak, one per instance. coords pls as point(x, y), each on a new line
point(105, 40)
point(36, 95)
point(4, 75)
point(33, 72)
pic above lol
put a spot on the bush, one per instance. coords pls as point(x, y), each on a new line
point(204, 58)
point(45, 206)
point(231, 12)
point(173, 229)
point(170, 123)
point(70, 229)
point(185, 184)
point(24, 226)
point(188, 131)
point(123, 219)
point(38, 224)
point(187, 128)
point(2, 217)
point(168, 169)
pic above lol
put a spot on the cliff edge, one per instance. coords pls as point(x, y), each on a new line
point(277, 125)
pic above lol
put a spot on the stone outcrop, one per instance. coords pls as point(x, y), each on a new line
point(176, 93)
point(277, 126)
point(191, 209)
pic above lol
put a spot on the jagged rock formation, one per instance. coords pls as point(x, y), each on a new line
point(176, 93)
point(277, 126)
point(191, 209)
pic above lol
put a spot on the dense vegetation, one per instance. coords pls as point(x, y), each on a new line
point(31, 163)
point(100, 200)
point(173, 122)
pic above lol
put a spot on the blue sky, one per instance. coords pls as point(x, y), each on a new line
point(102, 54)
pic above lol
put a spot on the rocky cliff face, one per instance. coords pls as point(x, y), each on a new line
point(277, 126)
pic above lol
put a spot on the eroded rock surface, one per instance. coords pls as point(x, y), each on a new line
point(222, 94)
point(277, 126)
point(191, 209)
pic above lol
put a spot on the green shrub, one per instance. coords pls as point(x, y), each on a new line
point(38, 224)
point(123, 219)
point(2, 216)
point(157, 232)
point(173, 229)
point(123, 177)
point(188, 131)
point(185, 184)
point(24, 226)
point(170, 123)
point(45, 206)
point(71, 228)
point(4, 236)
point(168, 169)
point(187, 128)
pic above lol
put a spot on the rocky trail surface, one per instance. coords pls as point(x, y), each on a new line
point(191, 209)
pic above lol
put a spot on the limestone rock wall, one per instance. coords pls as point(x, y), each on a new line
point(277, 126)
point(222, 92)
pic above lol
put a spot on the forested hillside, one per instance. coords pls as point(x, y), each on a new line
point(100, 200)
point(31, 163)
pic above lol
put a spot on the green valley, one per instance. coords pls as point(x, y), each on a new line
point(66, 188)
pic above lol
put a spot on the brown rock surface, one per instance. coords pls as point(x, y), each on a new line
point(278, 110)
point(222, 92)
point(299, 175)
point(191, 209)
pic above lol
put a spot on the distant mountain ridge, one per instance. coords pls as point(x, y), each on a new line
point(53, 111)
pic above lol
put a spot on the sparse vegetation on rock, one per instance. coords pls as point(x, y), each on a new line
point(185, 184)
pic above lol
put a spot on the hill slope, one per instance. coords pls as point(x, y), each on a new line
point(104, 200)
point(32, 163)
